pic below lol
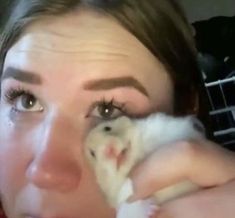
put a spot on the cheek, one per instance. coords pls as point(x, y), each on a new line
point(15, 154)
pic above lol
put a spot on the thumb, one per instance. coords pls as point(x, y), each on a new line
point(203, 163)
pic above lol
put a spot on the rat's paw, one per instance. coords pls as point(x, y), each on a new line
point(138, 209)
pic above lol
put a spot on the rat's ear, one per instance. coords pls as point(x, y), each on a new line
point(125, 122)
point(197, 124)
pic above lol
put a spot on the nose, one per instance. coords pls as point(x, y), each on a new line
point(55, 163)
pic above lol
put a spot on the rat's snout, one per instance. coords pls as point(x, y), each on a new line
point(116, 152)
point(122, 157)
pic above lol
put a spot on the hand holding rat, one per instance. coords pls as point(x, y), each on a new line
point(202, 162)
point(114, 148)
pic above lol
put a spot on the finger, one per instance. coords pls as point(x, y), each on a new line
point(211, 203)
point(164, 167)
point(137, 209)
point(204, 163)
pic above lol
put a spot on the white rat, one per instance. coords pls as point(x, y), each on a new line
point(114, 147)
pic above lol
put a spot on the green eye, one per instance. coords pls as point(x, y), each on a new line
point(22, 100)
point(27, 102)
point(107, 110)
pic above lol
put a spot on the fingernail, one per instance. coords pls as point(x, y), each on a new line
point(152, 210)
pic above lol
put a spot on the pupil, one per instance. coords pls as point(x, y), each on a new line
point(106, 110)
point(28, 101)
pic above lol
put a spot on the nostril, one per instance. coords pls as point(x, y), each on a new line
point(107, 128)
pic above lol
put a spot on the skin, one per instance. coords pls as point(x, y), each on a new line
point(47, 175)
point(203, 162)
point(43, 172)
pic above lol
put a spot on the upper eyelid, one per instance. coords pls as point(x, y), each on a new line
point(102, 100)
point(17, 91)
point(28, 89)
point(16, 84)
point(22, 89)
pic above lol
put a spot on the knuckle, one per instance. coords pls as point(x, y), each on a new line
point(191, 149)
point(164, 213)
point(173, 209)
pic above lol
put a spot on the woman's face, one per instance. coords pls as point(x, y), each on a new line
point(63, 76)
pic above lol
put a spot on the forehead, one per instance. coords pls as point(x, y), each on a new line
point(86, 44)
point(83, 32)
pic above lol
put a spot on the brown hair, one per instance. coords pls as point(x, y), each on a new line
point(159, 24)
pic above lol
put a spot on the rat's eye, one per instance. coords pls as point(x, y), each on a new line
point(107, 128)
point(92, 153)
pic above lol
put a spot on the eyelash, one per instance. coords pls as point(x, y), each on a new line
point(13, 93)
point(113, 103)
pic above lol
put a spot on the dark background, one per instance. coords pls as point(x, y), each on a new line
point(3, 4)
point(195, 9)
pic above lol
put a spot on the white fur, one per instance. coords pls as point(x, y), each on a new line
point(145, 136)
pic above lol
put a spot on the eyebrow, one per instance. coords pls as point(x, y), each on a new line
point(112, 83)
point(21, 75)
